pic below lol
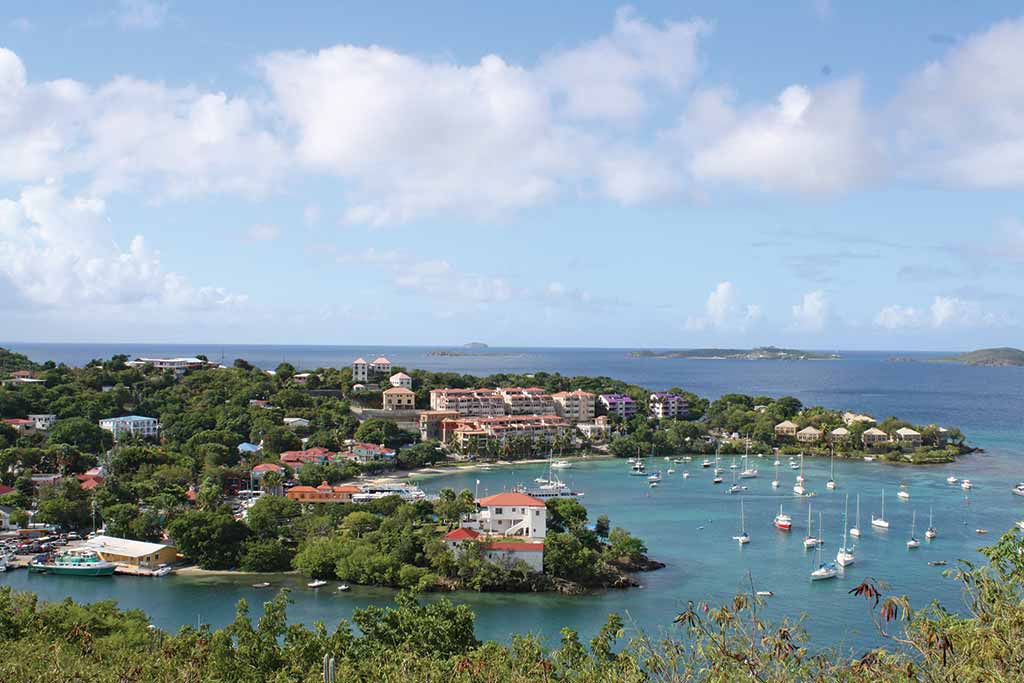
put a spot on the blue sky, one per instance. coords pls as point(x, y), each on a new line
point(814, 174)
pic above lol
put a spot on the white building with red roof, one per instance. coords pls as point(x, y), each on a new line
point(360, 370)
point(400, 379)
point(510, 514)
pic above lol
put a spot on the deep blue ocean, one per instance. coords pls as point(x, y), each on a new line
point(689, 523)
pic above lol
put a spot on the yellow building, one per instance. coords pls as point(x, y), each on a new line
point(135, 554)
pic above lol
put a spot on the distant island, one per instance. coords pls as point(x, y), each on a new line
point(758, 353)
point(475, 345)
point(1004, 355)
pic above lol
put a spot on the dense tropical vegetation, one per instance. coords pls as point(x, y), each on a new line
point(417, 642)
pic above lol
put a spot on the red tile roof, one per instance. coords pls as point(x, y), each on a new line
point(18, 421)
point(514, 546)
point(90, 484)
point(4, 490)
point(461, 534)
point(511, 500)
point(267, 467)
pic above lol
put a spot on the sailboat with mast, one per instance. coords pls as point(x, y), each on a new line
point(831, 483)
point(810, 540)
point(880, 522)
point(798, 487)
point(775, 481)
point(783, 521)
point(913, 542)
point(748, 471)
point(855, 529)
point(743, 536)
point(845, 556)
point(825, 570)
point(931, 533)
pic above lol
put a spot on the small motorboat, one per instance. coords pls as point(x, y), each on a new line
point(671, 470)
point(951, 479)
point(981, 531)
point(830, 485)
point(776, 463)
point(903, 493)
point(717, 479)
point(686, 475)
point(162, 570)
point(765, 594)
point(1018, 490)
point(937, 563)
point(736, 488)
point(706, 463)
point(342, 588)
point(316, 584)
point(262, 584)
point(653, 484)
point(966, 485)
point(869, 458)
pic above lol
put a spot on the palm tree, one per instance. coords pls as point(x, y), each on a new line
point(272, 483)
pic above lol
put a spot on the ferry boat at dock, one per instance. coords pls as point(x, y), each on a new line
point(72, 563)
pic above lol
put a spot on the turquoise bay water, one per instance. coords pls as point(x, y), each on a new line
point(703, 564)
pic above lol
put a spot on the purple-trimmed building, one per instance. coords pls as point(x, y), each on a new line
point(665, 404)
point(618, 404)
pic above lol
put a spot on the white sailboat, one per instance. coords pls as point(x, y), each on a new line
point(798, 488)
point(831, 483)
point(845, 556)
point(743, 536)
point(903, 493)
point(775, 481)
point(931, 532)
point(966, 485)
point(734, 466)
point(810, 540)
point(855, 529)
point(913, 542)
point(825, 570)
point(880, 522)
point(748, 471)
point(951, 479)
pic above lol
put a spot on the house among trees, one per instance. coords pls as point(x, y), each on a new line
point(908, 435)
point(510, 527)
point(786, 428)
point(873, 437)
point(809, 434)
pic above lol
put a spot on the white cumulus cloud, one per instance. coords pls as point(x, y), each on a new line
point(55, 252)
point(811, 314)
point(723, 311)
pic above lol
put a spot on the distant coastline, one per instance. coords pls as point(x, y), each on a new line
point(758, 353)
point(997, 357)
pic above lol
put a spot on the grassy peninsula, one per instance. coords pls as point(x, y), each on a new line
point(1004, 355)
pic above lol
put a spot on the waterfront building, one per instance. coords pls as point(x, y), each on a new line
point(364, 453)
point(839, 434)
point(665, 404)
point(360, 370)
point(575, 406)
point(400, 379)
point(504, 553)
point(295, 422)
point(465, 430)
point(809, 434)
point(528, 401)
point(618, 404)
point(399, 398)
point(132, 554)
point(24, 426)
point(324, 493)
point(908, 435)
point(786, 429)
point(430, 423)
point(853, 418)
point(471, 402)
point(508, 515)
point(44, 422)
point(874, 436)
point(598, 430)
point(131, 425)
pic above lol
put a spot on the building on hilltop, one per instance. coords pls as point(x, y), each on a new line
point(527, 401)
point(469, 402)
point(400, 379)
point(360, 370)
point(44, 422)
point(665, 405)
point(430, 423)
point(575, 406)
point(618, 404)
point(24, 426)
point(510, 527)
point(399, 398)
point(132, 425)
point(786, 429)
